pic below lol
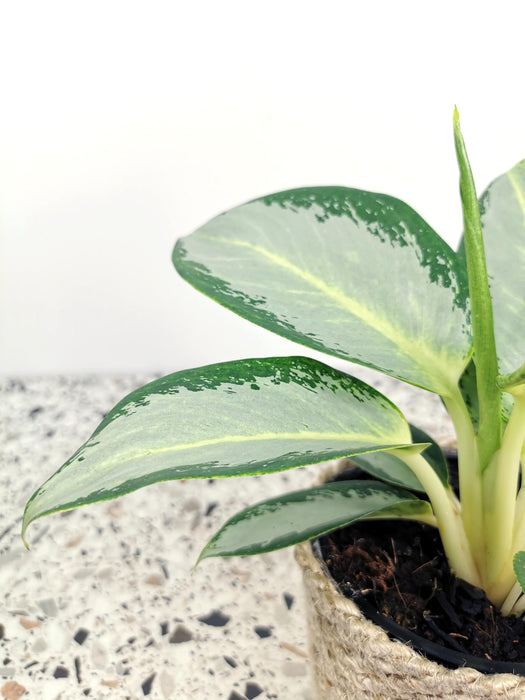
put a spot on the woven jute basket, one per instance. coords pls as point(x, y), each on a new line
point(351, 658)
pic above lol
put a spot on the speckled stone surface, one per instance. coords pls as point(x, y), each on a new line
point(104, 604)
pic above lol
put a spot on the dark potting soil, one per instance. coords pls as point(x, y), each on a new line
point(399, 568)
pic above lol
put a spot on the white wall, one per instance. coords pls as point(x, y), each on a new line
point(124, 125)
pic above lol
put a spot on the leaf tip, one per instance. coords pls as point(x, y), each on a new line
point(414, 448)
point(202, 555)
point(457, 126)
point(23, 535)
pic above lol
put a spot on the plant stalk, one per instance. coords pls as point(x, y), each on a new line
point(519, 516)
point(519, 607)
point(450, 524)
point(470, 483)
point(500, 489)
point(510, 601)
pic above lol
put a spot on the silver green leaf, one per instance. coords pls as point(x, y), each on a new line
point(502, 208)
point(519, 568)
point(358, 275)
point(389, 468)
point(301, 515)
point(220, 421)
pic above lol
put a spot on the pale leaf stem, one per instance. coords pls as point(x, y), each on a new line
point(450, 524)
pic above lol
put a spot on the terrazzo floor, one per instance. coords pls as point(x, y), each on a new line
point(104, 604)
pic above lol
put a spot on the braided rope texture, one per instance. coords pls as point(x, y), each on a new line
point(351, 658)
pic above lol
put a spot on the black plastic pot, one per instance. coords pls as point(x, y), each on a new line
point(450, 658)
point(435, 652)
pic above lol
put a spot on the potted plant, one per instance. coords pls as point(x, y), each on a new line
point(362, 277)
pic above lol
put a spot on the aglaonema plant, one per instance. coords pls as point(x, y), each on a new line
point(362, 277)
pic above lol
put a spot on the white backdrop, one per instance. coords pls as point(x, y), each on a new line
point(124, 125)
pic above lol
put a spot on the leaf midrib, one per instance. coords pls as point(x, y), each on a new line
point(381, 325)
point(303, 435)
point(517, 191)
point(299, 436)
